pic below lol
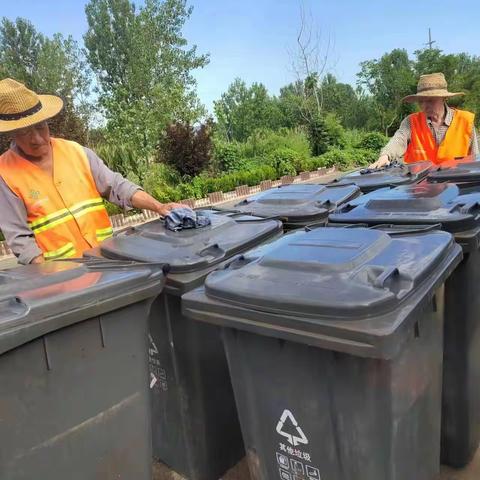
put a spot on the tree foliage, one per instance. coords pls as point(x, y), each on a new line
point(50, 66)
point(388, 80)
point(187, 148)
point(143, 66)
point(241, 110)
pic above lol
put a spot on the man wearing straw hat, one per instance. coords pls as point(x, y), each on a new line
point(52, 190)
point(437, 133)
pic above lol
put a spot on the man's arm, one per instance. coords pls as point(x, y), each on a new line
point(474, 143)
point(120, 191)
point(397, 145)
point(14, 226)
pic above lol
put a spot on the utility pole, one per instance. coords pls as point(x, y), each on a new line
point(430, 41)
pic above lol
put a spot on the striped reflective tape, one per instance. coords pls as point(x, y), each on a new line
point(87, 206)
point(50, 221)
point(68, 250)
point(61, 216)
point(104, 233)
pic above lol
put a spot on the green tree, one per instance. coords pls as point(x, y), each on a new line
point(461, 70)
point(388, 80)
point(52, 66)
point(144, 68)
point(241, 110)
point(291, 102)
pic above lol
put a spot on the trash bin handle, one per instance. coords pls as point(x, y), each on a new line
point(97, 263)
point(213, 250)
point(468, 207)
point(259, 219)
point(12, 307)
point(385, 275)
point(405, 230)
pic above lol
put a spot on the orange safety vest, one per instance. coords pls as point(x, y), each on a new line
point(422, 146)
point(66, 213)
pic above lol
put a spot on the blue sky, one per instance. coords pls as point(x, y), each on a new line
point(251, 39)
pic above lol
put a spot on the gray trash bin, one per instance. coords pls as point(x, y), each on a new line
point(443, 204)
point(194, 418)
point(74, 400)
point(395, 174)
point(465, 173)
point(334, 344)
point(297, 205)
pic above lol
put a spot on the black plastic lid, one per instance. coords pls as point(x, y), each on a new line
point(394, 174)
point(311, 272)
point(298, 203)
point(37, 299)
point(456, 172)
point(424, 203)
point(352, 290)
point(195, 249)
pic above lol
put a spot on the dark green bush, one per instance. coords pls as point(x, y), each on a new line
point(228, 156)
point(201, 185)
point(285, 161)
point(373, 141)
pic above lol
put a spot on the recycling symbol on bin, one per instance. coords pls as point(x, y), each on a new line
point(287, 421)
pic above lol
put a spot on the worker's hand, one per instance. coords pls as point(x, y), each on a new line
point(382, 161)
point(144, 201)
point(165, 208)
point(38, 259)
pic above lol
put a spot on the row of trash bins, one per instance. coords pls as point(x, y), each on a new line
point(346, 348)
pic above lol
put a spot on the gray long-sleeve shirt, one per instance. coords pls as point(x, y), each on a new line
point(13, 217)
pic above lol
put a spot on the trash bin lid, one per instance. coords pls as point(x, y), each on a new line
point(424, 203)
point(394, 174)
point(327, 286)
point(298, 203)
point(456, 171)
point(37, 299)
point(193, 249)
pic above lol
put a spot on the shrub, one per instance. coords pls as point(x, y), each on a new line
point(263, 143)
point(335, 132)
point(373, 141)
point(159, 175)
point(228, 156)
point(348, 158)
point(284, 161)
point(318, 136)
point(202, 185)
point(353, 138)
point(186, 148)
point(124, 160)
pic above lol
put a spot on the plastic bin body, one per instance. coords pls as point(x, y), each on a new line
point(329, 389)
point(298, 205)
point(444, 205)
point(195, 424)
point(74, 390)
point(392, 175)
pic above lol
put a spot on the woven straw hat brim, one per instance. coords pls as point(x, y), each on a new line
point(51, 106)
point(431, 93)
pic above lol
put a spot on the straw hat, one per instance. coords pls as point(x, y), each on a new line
point(431, 85)
point(20, 107)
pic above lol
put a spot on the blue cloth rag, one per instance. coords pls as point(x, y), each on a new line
point(184, 218)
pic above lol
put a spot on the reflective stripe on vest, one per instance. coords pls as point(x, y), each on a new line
point(104, 233)
point(76, 211)
point(66, 251)
point(423, 147)
point(66, 213)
